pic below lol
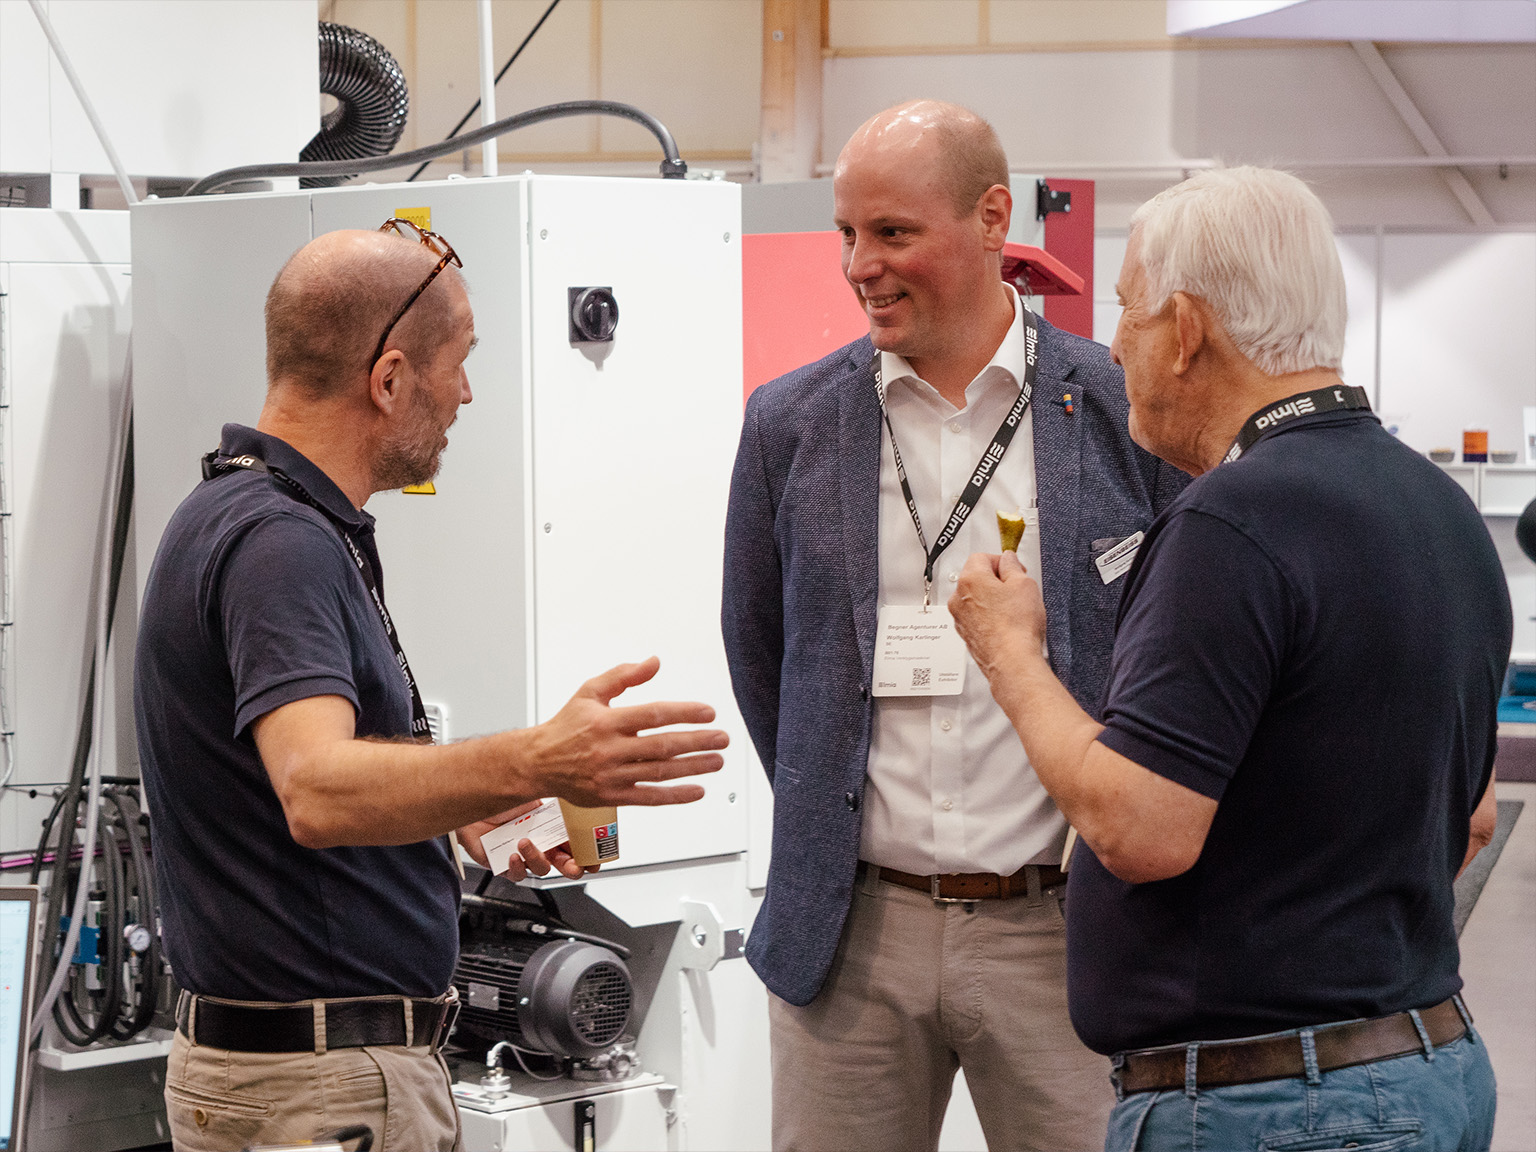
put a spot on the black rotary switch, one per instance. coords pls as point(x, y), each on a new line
point(594, 315)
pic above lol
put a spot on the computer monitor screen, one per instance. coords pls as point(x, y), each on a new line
point(18, 934)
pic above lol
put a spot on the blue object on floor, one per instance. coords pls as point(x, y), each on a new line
point(1517, 710)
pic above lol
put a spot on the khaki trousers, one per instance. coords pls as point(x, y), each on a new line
point(221, 1101)
point(918, 989)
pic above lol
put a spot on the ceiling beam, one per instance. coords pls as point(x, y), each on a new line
point(1392, 88)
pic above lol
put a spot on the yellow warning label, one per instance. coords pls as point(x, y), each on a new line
point(427, 489)
point(421, 217)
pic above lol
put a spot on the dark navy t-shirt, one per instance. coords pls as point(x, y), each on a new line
point(1314, 636)
point(253, 603)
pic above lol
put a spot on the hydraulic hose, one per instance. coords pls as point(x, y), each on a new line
point(672, 167)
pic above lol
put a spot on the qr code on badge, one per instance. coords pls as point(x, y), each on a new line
point(921, 677)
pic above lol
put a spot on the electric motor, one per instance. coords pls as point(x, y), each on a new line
point(566, 997)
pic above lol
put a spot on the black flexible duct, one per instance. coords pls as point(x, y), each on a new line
point(373, 101)
point(672, 167)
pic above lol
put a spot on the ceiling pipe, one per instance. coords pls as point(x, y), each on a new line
point(1155, 167)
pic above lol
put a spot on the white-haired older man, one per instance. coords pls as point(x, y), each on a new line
point(1299, 729)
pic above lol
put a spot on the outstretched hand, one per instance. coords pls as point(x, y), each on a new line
point(998, 610)
point(593, 754)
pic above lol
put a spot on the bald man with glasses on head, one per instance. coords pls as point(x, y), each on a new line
point(310, 893)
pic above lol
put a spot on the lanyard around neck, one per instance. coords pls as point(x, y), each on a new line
point(1330, 399)
point(216, 464)
point(986, 467)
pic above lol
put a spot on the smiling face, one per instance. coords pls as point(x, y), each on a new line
point(412, 452)
point(921, 274)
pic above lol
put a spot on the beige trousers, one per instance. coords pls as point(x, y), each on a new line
point(918, 989)
point(221, 1101)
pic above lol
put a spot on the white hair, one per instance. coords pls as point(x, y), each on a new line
point(1257, 246)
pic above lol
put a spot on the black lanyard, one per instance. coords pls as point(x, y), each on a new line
point(216, 465)
point(1331, 399)
point(982, 474)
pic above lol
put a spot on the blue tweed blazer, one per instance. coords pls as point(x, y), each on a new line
point(799, 603)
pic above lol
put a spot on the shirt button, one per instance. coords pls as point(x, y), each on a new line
point(953, 576)
point(852, 801)
point(946, 725)
point(954, 425)
point(948, 805)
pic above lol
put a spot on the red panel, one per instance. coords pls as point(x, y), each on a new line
point(1069, 238)
point(796, 306)
point(1035, 272)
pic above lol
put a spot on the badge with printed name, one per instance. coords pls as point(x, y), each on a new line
point(1118, 560)
point(918, 652)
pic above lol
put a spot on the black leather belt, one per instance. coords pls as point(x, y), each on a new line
point(963, 887)
point(363, 1022)
point(1344, 1045)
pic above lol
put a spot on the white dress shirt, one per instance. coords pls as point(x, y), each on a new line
point(950, 788)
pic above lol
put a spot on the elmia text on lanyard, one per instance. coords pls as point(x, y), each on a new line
point(1332, 399)
point(917, 650)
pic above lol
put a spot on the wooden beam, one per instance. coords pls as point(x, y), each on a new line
point(789, 137)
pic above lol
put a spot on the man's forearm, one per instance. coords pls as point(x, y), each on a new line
point(1141, 826)
point(338, 790)
point(374, 792)
point(1054, 729)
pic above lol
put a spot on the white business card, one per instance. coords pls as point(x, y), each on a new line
point(1118, 560)
point(544, 826)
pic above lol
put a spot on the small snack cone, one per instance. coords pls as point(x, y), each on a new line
point(1010, 529)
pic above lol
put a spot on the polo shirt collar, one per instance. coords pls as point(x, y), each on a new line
point(237, 440)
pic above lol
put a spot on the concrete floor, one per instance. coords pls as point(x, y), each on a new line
point(1498, 963)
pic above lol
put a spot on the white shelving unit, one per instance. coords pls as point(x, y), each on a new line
point(1496, 489)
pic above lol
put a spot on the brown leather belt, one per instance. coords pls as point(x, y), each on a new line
point(967, 886)
point(1281, 1057)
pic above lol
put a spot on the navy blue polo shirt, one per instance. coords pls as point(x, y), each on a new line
point(1314, 636)
point(253, 602)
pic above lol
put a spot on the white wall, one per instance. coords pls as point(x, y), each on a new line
point(1262, 104)
point(183, 88)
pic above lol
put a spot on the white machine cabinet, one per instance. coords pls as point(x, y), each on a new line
point(578, 519)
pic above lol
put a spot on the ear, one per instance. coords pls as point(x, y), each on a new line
point(995, 209)
point(1191, 329)
point(386, 379)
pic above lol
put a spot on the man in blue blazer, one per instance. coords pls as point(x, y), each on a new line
point(913, 921)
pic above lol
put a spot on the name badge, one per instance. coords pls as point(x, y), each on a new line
point(1118, 560)
point(918, 652)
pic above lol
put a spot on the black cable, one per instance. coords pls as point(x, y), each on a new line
point(68, 1014)
point(672, 167)
point(475, 107)
point(145, 986)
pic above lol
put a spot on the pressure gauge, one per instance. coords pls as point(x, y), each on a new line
point(138, 938)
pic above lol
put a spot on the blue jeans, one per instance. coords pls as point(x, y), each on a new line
point(1440, 1102)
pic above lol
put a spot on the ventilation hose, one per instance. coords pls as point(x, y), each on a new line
point(672, 167)
point(372, 101)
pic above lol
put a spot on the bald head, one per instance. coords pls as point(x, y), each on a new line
point(332, 300)
point(932, 142)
